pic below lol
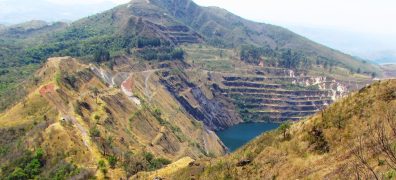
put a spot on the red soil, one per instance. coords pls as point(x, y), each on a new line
point(128, 84)
point(47, 89)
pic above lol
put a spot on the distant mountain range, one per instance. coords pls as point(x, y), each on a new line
point(369, 48)
point(14, 12)
point(374, 47)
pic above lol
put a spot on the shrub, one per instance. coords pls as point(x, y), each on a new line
point(102, 167)
point(148, 156)
point(26, 167)
point(18, 174)
point(133, 164)
point(318, 141)
point(112, 161)
point(33, 168)
point(64, 171)
point(94, 132)
point(158, 163)
point(146, 161)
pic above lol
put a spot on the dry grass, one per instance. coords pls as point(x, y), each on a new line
point(296, 158)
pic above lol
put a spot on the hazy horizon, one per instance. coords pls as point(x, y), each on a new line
point(346, 27)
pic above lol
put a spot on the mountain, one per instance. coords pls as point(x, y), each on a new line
point(14, 12)
point(384, 57)
point(172, 19)
point(377, 48)
point(75, 119)
point(350, 139)
point(175, 22)
point(29, 29)
point(389, 70)
point(147, 83)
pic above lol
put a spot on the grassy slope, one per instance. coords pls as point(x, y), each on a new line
point(327, 145)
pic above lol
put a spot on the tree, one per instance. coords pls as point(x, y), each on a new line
point(284, 128)
point(291, 59)
point(373, 75)
point(101, 55)
point(177, 54)
point(95, 91)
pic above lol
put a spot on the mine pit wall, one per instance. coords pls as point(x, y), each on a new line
point(216, 113)
point(280, 95)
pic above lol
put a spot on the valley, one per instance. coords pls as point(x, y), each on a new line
point(348, 139)
point(162, 88)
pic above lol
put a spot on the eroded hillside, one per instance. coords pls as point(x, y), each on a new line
point(153, 80)
point(96, 122)
point(352, 139)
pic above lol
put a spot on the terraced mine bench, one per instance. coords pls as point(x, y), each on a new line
point(277, 98)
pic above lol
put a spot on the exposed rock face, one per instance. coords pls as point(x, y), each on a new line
point(104, 75)
point(338, 90)
point(217, 113)
point(280, 95)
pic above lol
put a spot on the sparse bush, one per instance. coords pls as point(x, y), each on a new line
point(64, 171)
point(102, 167)
point(18, 174)
point(133, 164)
point(318, 141)
point(94, 132)
point(112, 161)
point(148, 156)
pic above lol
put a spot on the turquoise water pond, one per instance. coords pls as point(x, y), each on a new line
point(238, 135)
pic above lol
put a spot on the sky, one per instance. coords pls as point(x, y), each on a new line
point(365, 28)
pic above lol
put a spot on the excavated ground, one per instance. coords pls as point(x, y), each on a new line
point(267, 96)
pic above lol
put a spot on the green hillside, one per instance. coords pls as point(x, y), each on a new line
point(171, 22)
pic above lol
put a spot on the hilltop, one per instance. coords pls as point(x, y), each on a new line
point(118, 30)
point(350, 139)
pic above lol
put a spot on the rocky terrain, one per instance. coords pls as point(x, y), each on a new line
point(92, 113)
point(351, 139)
point(143, 86)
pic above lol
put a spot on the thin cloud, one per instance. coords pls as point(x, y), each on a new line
point(354, 15)
point(85, 2)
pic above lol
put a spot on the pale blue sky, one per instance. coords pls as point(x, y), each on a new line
point(365, 28)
